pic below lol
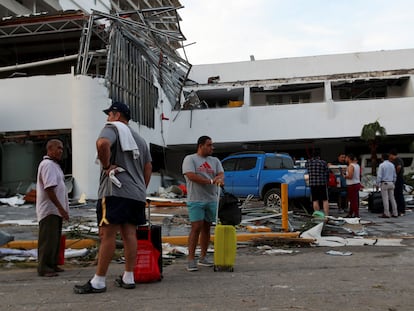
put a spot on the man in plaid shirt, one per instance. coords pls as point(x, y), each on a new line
point(318, 182)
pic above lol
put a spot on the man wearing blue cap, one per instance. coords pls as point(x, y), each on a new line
point(125, 173)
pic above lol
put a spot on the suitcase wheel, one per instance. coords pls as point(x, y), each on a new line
point(222, 268)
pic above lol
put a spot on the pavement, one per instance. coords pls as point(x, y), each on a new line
point(309, 278)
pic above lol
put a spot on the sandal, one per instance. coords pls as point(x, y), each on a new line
point(120, 283)
point(87, 289)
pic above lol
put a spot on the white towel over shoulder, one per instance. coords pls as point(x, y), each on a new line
point(126, 139)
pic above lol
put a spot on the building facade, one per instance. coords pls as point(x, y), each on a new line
point(292, 105)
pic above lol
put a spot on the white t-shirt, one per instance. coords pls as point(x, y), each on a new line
point(50, 174)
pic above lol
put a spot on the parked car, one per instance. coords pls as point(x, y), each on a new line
point(408, 159)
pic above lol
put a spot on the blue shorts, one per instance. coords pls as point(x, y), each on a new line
point(202, 211)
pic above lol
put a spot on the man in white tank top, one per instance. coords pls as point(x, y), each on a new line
point(353, 184)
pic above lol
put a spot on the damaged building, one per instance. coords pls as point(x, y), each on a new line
point(62, 62)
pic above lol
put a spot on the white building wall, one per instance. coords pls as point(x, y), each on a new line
point(35, 103)
point(290, 68)
point(300, 121)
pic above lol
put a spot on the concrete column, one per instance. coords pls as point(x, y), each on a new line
point(89, 98)
point(328, 100)
point(244, 118)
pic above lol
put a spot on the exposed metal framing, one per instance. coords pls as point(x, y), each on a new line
point(42, 27)
point(138, 51)
point(130, 79)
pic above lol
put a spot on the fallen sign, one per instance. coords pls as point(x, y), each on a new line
point(333, 241)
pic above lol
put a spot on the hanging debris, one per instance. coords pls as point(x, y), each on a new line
point(138, 38)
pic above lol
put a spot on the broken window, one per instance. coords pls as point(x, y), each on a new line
point(369, 89)
point(287, 94)
point(215, 98)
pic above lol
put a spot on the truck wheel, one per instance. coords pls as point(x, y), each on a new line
point(273, 198)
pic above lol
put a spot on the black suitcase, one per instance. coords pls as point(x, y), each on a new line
point(375, 202)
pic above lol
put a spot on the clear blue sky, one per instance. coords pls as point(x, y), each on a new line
point(232, 30)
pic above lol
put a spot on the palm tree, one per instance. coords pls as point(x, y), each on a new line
point(372, 133)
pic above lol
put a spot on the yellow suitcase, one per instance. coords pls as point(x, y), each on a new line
point(225, 244)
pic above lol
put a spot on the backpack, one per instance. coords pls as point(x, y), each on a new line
point(332, 180)
point(229, 211)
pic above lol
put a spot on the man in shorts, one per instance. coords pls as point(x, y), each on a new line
point(202, 173)
point(318, 182)
point(125, 174)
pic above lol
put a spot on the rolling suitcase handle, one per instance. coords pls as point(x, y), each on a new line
point(149, 212)
point(218, 202)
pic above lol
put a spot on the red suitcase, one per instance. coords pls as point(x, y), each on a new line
point(149, 253)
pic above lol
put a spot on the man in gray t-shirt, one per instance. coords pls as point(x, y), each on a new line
point(202, 173)
point(125, 173)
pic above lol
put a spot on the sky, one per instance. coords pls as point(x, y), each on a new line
point(221, 31)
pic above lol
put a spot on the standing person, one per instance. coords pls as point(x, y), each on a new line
point(386, 177)
point(318, 182)
point(202, 173)
point(353, 184)
point(52, 207)
point(342, 191)
point(125, 173)
point(399, 183)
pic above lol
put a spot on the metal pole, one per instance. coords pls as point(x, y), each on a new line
point(285, 205)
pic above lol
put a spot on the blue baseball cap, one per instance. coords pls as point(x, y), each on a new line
point(120, 107)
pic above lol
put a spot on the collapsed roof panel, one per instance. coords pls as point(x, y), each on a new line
point(35, 38)
point(157, 45)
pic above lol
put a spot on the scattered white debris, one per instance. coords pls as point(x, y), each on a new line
point(338, 253)
point(20, 222)
point(334, 241)
point(169, 249)
point(9, 254)
point(279, 252)
point(13, 201)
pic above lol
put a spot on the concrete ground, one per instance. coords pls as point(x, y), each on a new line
point(372, 278)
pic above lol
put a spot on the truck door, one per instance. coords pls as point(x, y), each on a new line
point(241, 175)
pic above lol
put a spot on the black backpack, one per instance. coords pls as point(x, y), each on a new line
point(229, 211)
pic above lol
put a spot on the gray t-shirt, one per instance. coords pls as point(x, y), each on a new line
point(133, 182)
point(207, 167)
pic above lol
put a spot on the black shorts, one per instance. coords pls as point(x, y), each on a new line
point(116, 210)
point(319, 193)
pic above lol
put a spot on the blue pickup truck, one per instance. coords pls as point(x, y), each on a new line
point(261, 174)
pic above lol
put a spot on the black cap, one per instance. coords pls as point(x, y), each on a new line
point(120, 107)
